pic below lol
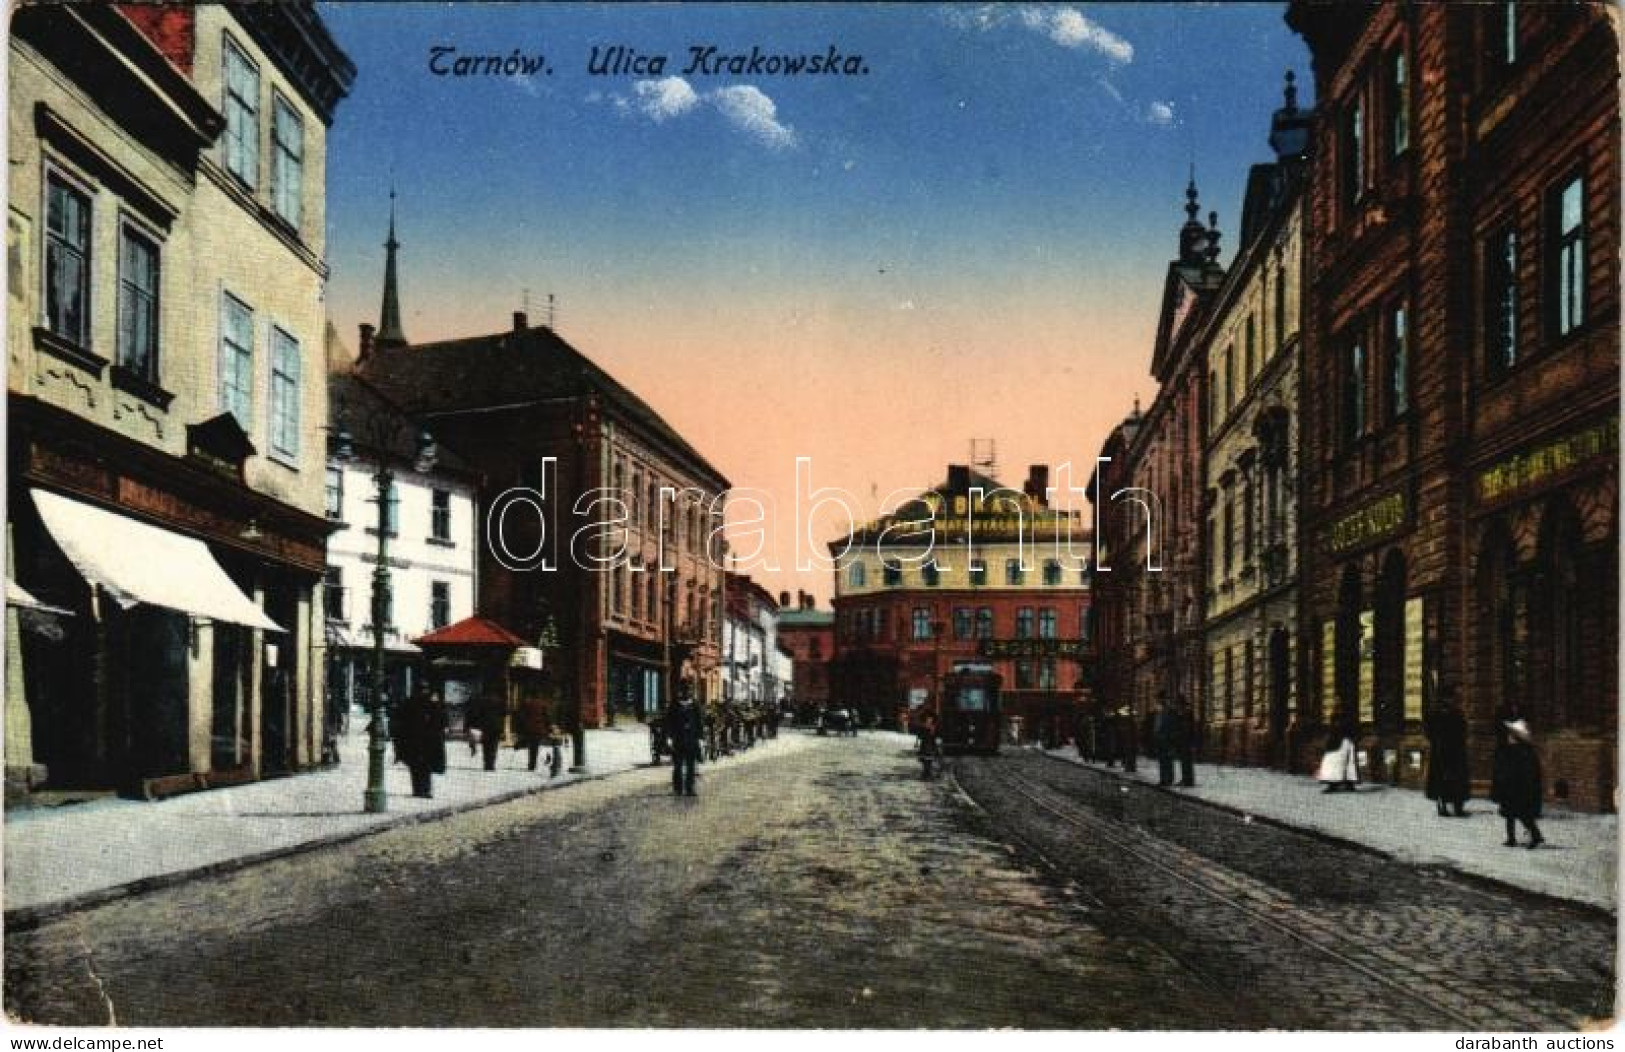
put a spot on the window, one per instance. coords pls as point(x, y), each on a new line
point(1213, 400)
point(984, 622)
point(964, 622)
point(287, 161)
point(1047, 623)
point(1249, 361)
point(930, 574)
point(440, 515)
point(439, 604)
point(1501, 301)
point(892, 574)
point(284, 395)
point(67, 261)
point(335, 492)
point(1086, 624)
point(333, 593)
point(922, 623)
point(138, 304)
point(1024, 622)
point(1398, 364)
point(1502, 44)
point(237, 360)
point(1280, 307)
point(1229, 378)
point(242, 110)
point(1025, 679)
point(1052, 572)
point(1046, 674)
point(1229, 532)
point(1399, 104)
point(1012, 571)
point(1247, 524)
point(1353, 172)
point(978, 572)
point(1354, 393)
point(855, 575)
point(1567, 266)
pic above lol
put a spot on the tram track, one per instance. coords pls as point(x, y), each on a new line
point(1255, 904)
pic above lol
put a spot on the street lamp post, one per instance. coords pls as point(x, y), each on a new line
point(383, 430)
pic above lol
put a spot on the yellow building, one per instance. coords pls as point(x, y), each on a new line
point(1250, 463)
point(166, 392)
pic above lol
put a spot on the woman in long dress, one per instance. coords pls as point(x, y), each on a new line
point(1339, 767)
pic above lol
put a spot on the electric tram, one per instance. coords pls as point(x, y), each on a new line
point(968, 714)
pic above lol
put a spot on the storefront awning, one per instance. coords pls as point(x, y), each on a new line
point(18, 596)
point(340, 636)
point(137, 563)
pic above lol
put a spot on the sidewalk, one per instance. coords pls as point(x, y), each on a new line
point(1578, 862)
point(81, 852)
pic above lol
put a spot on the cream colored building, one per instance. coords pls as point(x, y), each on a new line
point(165, 233)
point(1251, 463)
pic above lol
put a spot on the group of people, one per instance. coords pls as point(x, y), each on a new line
point(421, 722)
point(1516, 783)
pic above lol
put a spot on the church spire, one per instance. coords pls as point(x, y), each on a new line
point(389, 323)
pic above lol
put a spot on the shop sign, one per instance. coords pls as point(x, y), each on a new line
point(1413, 658)
point(1031, 648)
point(1377, 519)
point(1520, 471)
point(526, 657)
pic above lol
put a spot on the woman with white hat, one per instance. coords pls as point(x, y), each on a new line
point(1515, 782)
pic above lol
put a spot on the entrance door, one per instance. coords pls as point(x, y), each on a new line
point(1280, 659)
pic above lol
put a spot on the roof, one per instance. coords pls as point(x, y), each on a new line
point(371, 419)
point(806, 618)
point(512, 368)
point(471, 632)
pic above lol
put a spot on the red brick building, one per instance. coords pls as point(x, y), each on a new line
point(1461, 396)
point(990, 585)
point(809, 635)
point(536, 414)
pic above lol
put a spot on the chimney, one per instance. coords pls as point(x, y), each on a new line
point(958, 479)
point(1037, 483)
point(366, 342)
point(520, 322)
point(806, 601)
point(784, 600)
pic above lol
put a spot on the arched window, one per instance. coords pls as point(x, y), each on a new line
point(1555, 601)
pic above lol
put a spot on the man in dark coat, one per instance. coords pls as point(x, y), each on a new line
point(1126, 740)
point(1447, 782)
point(1185, 734)
point(1516, 780)
point(532, 727)
point(488, 714)
point(414, 734)
point(1164, 732)
point(685, 730)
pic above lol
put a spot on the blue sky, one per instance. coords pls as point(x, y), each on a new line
point(968, 241)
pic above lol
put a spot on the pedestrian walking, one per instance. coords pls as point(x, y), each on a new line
point(1339, 766)
point(1447, 782)
point(413, 732)
point(532, 727)
point(1516, 780)
point(1126, 741)
point(1164, 732)
point(488, 714)
point(684, 731)
point(1185, 743)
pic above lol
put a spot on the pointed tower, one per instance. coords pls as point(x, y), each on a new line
point(389, 323)
point(1289, 129)
point(1193, 236)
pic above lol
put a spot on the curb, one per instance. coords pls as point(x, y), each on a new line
point(1454, 870)
point(25, 918)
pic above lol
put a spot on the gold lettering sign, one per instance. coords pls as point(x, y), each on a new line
point(1522, 470)
point(1377, 519)
point(1328, 669)
point(1413, 658)
point(1368, 639)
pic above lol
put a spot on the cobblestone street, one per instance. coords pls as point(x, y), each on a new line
point(831, 887)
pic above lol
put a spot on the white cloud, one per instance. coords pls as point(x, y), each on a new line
point(751, 110)
point(744, 106)
point(1071, 28)
point(665, 98)
point(1160, 113)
